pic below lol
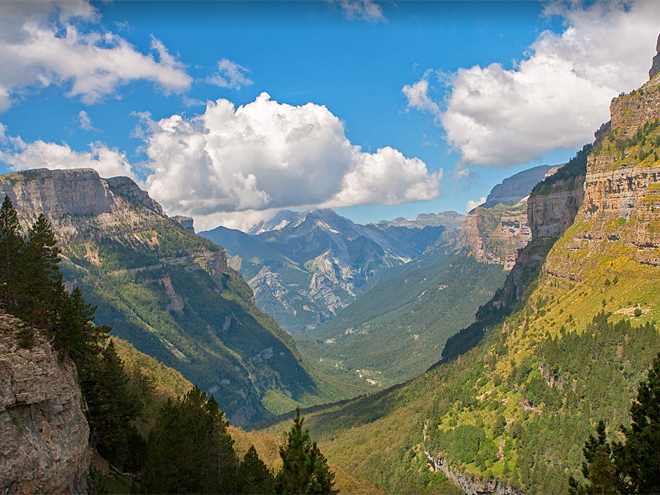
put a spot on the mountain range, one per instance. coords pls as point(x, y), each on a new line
point(168, 291)
point(562, 345)
point(305, 267)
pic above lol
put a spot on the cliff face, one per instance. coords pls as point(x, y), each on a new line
point(44, 447)
point(494, 235)
point(164, 289)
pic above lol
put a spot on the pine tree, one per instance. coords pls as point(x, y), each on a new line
point(638, 460)
point(598, 469)
point(304, 469)
point(40, 288)
point(253, 475)
point(190, 450)
point(632, 466)
point(11, 243)
point(111, 408)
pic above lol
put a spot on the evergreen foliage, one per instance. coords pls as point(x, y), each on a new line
point(631, 466)
point(190, 450)
point(31, 288)
point(305, 469)
point(253, 475)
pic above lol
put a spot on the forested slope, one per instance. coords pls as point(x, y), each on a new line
point(562, 346)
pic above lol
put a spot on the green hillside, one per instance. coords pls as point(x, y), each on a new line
point(170, 293)
point(398, 328)
point(563, 345)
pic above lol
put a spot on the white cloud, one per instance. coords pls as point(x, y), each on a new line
point(418, 97)
point(472, 204)
point(365, 10)
point(558, 95)
point(39, 154)
point(84, 122)
point(39, 49)
point(230, 75)
point(268, 155)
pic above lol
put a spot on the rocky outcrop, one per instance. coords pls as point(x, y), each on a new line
point(494, 235)
point(44, 434)
point(469, 485)
point(655, 66)
point(517, 187)
point(186, 222)
point(74, 200)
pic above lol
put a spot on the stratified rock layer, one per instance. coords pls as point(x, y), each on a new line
point(44, 435)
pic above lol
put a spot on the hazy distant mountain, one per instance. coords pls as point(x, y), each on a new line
point(517, 187)
point(304, 267)
point(448, 219)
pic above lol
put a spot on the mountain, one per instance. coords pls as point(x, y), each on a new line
point(316, 262)
point(167, 291)
point(561, 346)
point(448, 219)
point(517, 187)
point(398, 326)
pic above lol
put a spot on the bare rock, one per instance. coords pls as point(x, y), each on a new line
point(655, 68)
point(44, 447)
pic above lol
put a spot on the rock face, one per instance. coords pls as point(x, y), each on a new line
point(517, 187)
point(655, 67)
point(494, 235)
point(469, 485)
point(44, 447)
point(186, 222)
point(622, 184)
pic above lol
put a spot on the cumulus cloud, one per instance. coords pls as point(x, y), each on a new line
point(418, 97)
point(84, 121)
point(365, 10)
point(54, 43)
point(39, 154)
point(230, 75)
point(472, 204)
point(554, 98)
point(267, 155)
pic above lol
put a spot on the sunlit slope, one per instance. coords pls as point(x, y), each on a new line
point(168, 292)
point(563, 345)
point(398, 328)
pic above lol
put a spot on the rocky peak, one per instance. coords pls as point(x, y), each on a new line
point(186, 222)
point(44, 434)
point(655, 67)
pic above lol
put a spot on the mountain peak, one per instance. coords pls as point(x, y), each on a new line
point(655, 67)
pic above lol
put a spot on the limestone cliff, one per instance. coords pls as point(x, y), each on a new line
point(494, 235)
point(44, 434)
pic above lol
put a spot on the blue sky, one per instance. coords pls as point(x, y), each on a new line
point(377, 109)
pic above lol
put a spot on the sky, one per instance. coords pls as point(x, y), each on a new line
point(229, 111)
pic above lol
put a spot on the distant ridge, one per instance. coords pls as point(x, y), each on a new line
point(516, 187)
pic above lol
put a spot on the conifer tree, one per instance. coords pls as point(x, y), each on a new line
point(598, 468)
point(254, 477)
point(190, 450)
point(632, 466)
point(304, 469)
point(638, 460)
point(40, 287)
point(11, 243)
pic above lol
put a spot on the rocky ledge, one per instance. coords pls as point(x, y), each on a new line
point(44, 447)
